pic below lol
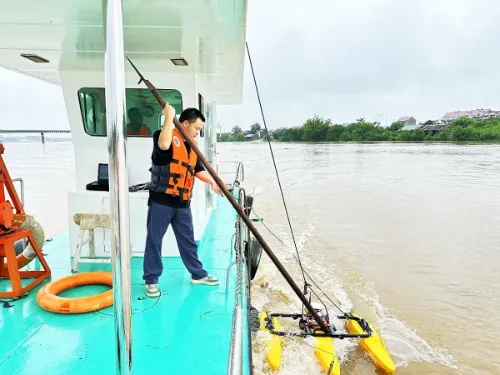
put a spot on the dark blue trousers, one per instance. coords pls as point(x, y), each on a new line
point(159, 218)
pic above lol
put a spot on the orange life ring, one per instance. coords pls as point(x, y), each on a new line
point(47, 297)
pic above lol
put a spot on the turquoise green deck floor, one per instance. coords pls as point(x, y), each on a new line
point(187, 330)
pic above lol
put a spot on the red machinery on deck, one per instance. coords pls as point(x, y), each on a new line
point(10, 232)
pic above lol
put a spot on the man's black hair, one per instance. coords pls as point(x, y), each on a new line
point(132, 110)
point(191, 114)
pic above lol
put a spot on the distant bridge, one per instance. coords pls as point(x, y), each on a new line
point(34, 131)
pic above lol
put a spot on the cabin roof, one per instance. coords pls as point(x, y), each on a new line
point(209, 35)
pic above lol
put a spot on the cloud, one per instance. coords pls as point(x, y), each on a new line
point(420, 58)
point(339, 59)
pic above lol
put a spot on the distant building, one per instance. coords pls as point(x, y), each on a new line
point(251, 137)
point(409, 123)
point(408, 120)
point(473, 113)
point(433, 129)
point(411, 127)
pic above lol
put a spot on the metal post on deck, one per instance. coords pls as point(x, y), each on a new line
point(118, 183)
point(43, 137)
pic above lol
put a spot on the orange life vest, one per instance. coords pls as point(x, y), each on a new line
point(176, 178)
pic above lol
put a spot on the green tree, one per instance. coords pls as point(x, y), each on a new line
point(291, 135)
point(363, 131)
point(334, 133)
point(238, 137)
point(463, 122)
point(237, 130)
point(318, 129)
point(315, 129)
point(255, 128)
point(396, 126)
point(224, 138)
point(460, 134)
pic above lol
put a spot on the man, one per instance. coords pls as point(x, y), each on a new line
point(136, 126)
point(172, 177)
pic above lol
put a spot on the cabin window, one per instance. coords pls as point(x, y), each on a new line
point(87, 108)
point(143, 113)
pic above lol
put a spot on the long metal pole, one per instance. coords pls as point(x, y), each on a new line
point(237, 207)
point(250, 226)
point(118, 184)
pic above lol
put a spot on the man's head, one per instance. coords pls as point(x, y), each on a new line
point(193, 121)
point(135, 116)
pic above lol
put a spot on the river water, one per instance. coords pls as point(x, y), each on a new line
point(404, 234)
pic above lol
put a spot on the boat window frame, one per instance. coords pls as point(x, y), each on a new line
point(86, 97)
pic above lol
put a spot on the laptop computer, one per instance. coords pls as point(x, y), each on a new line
point(102, 174)
point(102, 182)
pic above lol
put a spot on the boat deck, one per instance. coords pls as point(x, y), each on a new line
point(186, 330)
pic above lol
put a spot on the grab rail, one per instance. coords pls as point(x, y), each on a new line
point(240, 171)
point(236, 346)
point(22, 188)
point(25, 241)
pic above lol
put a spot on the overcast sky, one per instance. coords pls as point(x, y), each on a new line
point(378, 59)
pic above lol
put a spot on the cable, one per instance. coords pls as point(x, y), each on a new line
point(309, 276)
point(275, 168)
point(297, 257)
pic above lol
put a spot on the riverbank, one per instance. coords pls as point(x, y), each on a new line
point(318, 129)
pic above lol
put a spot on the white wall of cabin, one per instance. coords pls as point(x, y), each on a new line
point(92, 150)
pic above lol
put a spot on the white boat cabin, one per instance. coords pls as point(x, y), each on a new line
point(191, 51)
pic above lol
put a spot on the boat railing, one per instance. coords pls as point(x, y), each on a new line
point(236, 345)
point(21, 182)
point(227, 172)
point(22, 187)
point(235, 350)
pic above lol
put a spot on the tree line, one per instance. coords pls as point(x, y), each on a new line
point(238, 135)
point(318, 129)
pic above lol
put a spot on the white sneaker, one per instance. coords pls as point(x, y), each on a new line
point(152, 290)
point(207, 280)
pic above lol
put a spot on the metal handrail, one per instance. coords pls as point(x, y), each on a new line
point(25, 240)
point(235, 351)
point(22, 188)
point(240, 167)
point(235, 365)
point(240, 171)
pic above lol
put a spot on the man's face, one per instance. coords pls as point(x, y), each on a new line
point(193, 129)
